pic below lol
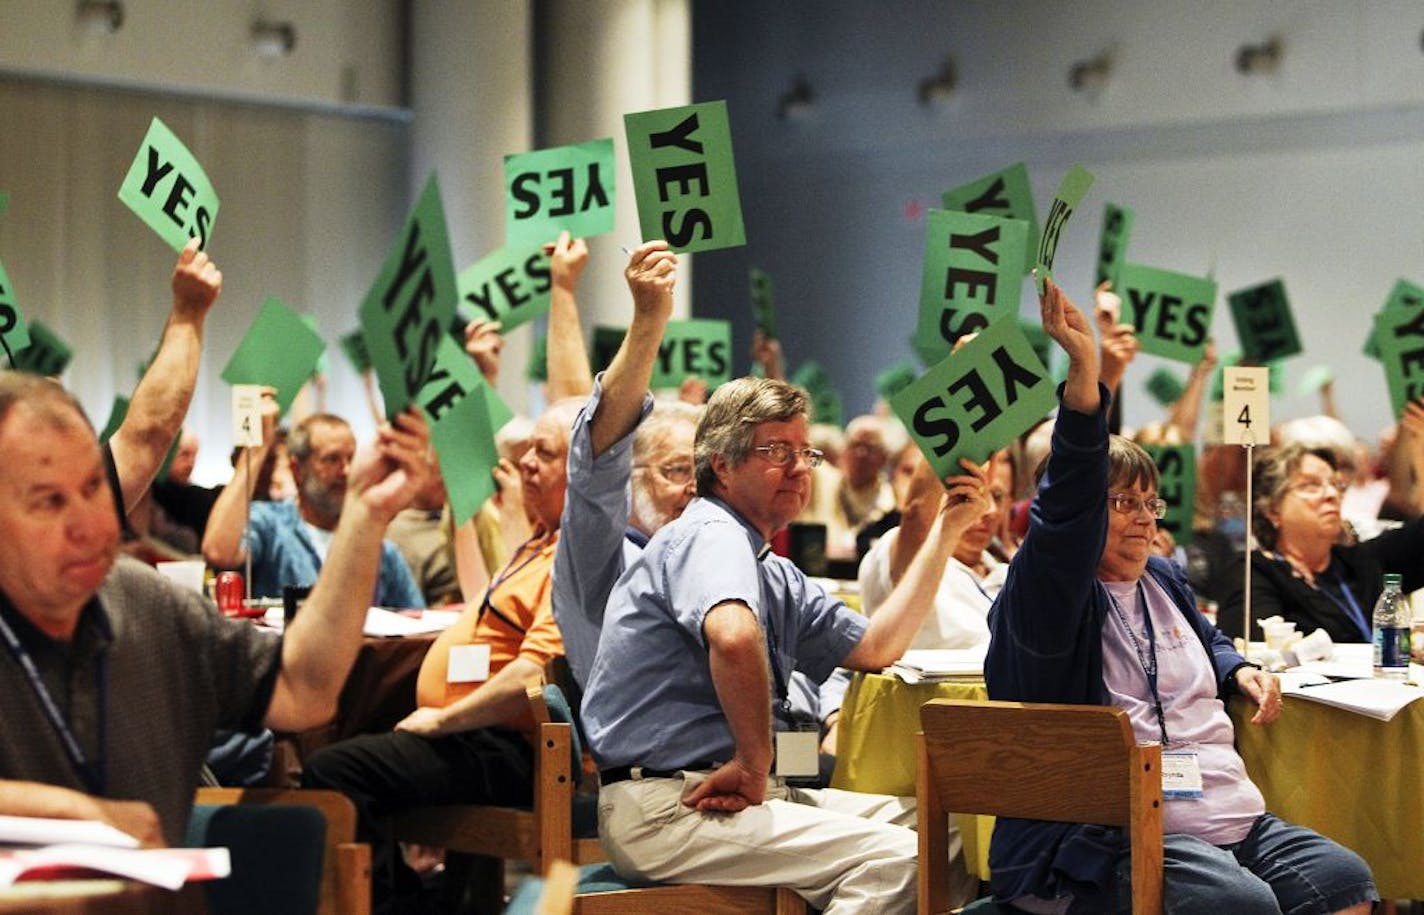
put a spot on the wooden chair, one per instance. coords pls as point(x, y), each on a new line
point(346, 863)
point(540, 834)
point(1067, 763)
point(690, 897)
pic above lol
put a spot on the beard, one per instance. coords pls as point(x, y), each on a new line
point(321, 499)
point(647, 516)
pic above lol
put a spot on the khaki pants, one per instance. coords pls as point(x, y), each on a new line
point(841, 850)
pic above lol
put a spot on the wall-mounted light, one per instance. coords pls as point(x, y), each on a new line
point(100, 17)
point(273, 39)
point(1092, 74)
point(938, 89)
point(796, 102)
point(1257, 59)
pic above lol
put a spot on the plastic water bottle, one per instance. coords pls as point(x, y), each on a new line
point(1392, 620)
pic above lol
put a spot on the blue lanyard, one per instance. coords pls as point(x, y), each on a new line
point(1148, 660)
point(91, 772)
point(1353, 610)
point(535, 545)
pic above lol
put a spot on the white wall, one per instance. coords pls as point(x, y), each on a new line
point(347, 51)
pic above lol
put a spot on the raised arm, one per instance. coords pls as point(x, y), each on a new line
point(736, 650)
point(161, 399)
point(651, 273)
point(1066, 325)
point(1186, 411)
point(320, 645)
point(1119, 341)
point(222, 538)
point(569, 372)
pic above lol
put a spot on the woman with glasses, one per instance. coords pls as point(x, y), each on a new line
point(1089, 615)
point(1306, 567)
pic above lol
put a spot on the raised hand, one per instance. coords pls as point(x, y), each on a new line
point(651, 274)
point(196, 282)
point(483, 343)
point(567, 258)
point(387, 477)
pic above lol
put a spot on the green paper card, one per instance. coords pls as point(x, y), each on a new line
point(1171, 312)
point(1315, 378)
point(464, 415)
point(355, 349)
point(895, 379)
point(404, 316)
point(606, 341)
point(4, 202)
point(1070, 193)
point(976, 400)
point(1404, 295)
point(538, 368)
point(1165, 387)
point(1038, 338)
point(971, 276)
point(1400, 333)
point(763, 302)
point(1177, 486)
point(1005, 194)
point(552, 190)
point(1112, 243)
point(117, 412)
point(47, 353)
point(279, 350)
point(699, 346)
point(810, 375)
point(322, 365)
point(826, 407)
point(684, 177)
point(1262, 315)
point(510, 286)
point(168, 190)
point(12, 320)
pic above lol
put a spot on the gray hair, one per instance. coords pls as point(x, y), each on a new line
point(1273, 469)
point(47, 397)
point(1320, 433)
point(299, 446)
point(1129, 465)
point(731, 418)
point(667, 415)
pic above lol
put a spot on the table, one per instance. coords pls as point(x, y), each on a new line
point(1355, 779)
point(1352, 778)
point(100, 897)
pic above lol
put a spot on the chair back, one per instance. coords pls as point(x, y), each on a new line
point(1067, 763)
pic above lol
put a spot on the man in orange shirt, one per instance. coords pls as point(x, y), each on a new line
point(467, 742)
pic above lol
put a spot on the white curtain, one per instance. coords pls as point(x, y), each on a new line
point(310, 201)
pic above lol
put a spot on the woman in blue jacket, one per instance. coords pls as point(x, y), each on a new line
point(1088, 615)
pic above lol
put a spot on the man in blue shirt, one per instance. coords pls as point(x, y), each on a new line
point(289, 540)
point(676, 706)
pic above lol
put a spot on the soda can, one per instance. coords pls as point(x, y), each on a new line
point(229, 592)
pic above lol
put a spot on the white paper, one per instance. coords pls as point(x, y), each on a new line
point(165, 867)
point(798, 753)
point(383, 622)
point(1380, 699)
point(52, 831)
point(468, 664)
point(940, 663)
point(247, 415)
point(1246, 405)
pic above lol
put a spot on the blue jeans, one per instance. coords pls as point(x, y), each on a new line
point(1277, 868)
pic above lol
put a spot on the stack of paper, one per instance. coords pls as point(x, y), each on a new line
point(937, 665)
point(45, 848)
point(1380, 699)
point(383, 622)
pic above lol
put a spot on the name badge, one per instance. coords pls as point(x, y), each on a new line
point(1181, 777)
point(798, 753)
point(468, 664)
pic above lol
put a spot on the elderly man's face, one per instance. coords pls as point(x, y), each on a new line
point(185, 456)
point(665, 482)
point(543, 469)
point(321, 475)
point(57, 517)
point(768, 494)
point(863, 458)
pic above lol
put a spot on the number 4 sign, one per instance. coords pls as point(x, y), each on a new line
point(247, 415)
point(1246, 405)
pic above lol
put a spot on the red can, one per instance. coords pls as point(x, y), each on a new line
point(229, 591)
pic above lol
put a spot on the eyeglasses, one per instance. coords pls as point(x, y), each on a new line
point(676, 474)
point(783, 454)
point(1124, 504)
point(1312, 489)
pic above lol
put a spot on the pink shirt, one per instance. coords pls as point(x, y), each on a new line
point(1196, 719)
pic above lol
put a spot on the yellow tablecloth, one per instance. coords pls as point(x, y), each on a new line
point(1352, 778)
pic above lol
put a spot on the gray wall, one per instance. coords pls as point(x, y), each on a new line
point(1314, 173)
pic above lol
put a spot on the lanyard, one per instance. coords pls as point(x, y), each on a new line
point(1147, 659)
point(535, 545)
point(90, 771)
point(1353, 610)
